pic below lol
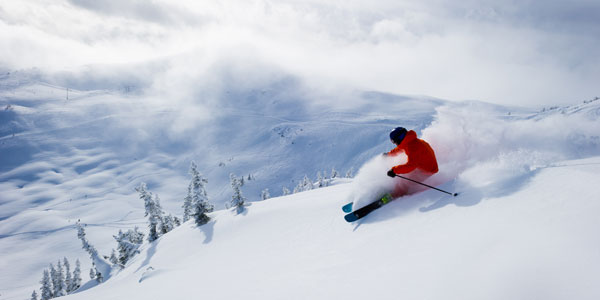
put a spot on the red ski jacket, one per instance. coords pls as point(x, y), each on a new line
point(420, 155)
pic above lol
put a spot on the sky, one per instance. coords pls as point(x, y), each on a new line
point(527, 53)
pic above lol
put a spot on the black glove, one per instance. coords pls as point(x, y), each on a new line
point(391, 173)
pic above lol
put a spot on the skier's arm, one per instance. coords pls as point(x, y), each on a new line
point(405, 168)
point(409, 166)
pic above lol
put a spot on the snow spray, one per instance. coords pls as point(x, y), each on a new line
point(479, 146)
point(372, 182)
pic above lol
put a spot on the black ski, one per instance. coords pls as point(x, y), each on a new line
point(361, 212)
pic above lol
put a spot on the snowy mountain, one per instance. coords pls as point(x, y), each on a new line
point(522, 226)
point(119, 117)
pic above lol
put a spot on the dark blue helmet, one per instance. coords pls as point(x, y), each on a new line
point(398, 134)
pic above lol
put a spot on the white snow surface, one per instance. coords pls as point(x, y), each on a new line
point(537, 241)
point(523, 226)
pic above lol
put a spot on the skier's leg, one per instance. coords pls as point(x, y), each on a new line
point(405, 187)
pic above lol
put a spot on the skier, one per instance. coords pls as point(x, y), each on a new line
point(421, 163)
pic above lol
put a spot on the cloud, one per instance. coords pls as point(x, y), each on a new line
point(148, 11)
point(520, 53)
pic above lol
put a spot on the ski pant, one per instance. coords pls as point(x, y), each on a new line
point(406, 187)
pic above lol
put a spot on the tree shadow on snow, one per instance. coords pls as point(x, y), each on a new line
point(208, 229)
point(241, 210)
point(149, 254)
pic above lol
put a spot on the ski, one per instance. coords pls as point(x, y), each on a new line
point(362, 212)
point(347, 208)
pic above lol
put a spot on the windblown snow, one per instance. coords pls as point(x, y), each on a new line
point(524, 225)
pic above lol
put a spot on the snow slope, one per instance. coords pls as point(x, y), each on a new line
point(523, 225)
point(537, 241)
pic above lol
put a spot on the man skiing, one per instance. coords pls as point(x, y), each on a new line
point(421, 162)
point(420, 165)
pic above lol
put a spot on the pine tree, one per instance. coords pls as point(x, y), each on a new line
point(99, 276)
point(307, 184)
point(68, 277)
point(321, 181)
point(128, 244)
point(60, 289)
point(298, 187)
point(200, 213)
point(46, 289)
point(101, 266)
point(96, 274)
point(157, 216)
point(53, 280)
point(334, 173)
point(86, 244)
point(153, 211)
point(168, 223)
point(113, 257)
point(265, 194)
point(199, 197)
point(188, 208)
point(350, 172)
point(286, 191)
point(237, 200)
point(76, 282)
point(34, 296)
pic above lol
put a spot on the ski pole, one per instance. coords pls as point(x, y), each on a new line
point(453, 194)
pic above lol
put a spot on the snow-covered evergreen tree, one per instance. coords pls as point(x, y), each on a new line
point(237, 200)
point(76, 282)
point(334, 173)
point(286, 191)
point(60, 289)
point(321, 180)
point(128, 244)
point(199, 203)
point(299, 187)
point(86, 244)
point(188, 206)
point(113, 258)
point(102, 266)
point(265, 194)
point(200, 212)
point(307, 184)
point(155, 216)
point(99, 276)
point(46, 289)
point(95, 274)
point(153, 211)
point(34, 296)
point(169, 223)
point(53, 279)
point(350, 173)
point(68, 277)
